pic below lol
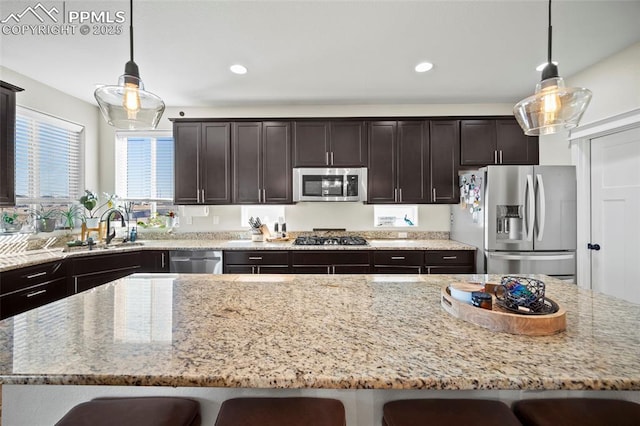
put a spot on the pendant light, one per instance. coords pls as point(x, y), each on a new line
point(553, 107)
point(127, 105)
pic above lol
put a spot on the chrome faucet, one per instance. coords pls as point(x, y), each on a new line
point(111, 234)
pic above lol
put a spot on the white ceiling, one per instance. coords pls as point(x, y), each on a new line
point(327, 52)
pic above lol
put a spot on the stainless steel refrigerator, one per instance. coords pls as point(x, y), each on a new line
point(522, 219)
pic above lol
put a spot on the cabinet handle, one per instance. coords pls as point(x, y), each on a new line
point(433, 194)
point(328, 269)
point(162, 262)
point(397, 257)
point(203, 195)
point(400, 194)
point(500, 156)
point(326, 158)
point(395, 195)
point(35, 293)
point(264, 195)
point(255, 257)
point(39, 274)
point(198, 196)
point(332, 158)
point(449, 257)
point(495, 157)
point(259, 196)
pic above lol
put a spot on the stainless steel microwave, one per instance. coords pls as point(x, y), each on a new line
point(330, 184)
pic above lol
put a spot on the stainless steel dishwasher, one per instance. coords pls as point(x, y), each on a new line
point(195, 261)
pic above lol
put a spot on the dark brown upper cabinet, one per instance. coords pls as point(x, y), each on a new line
point(335, 143)
point(444, 160)
point(495, 141)
point(398, 162)
point(7, 143)
point(202, 163)
point(262, 163)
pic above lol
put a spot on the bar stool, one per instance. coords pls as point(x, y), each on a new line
point(281, 412)
point(138, 411)
point(446, 412)
point(577, 411)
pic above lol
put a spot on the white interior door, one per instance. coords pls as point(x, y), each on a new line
point(615, 214)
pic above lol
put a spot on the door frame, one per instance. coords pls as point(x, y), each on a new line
point(580, 145)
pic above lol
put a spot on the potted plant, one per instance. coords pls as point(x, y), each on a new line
point(90, 202)
point(70, 214)
point(11, 222)
point(45, 218)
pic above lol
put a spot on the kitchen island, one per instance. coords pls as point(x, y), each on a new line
point(341, 335)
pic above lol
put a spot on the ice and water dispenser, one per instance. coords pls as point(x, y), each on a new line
point(510, 222)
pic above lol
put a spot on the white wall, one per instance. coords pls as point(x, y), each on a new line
point(615, 83)
point(48, 100)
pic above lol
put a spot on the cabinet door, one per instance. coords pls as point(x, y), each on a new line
point(277, 177)
point(444, 158)
point(477, 142)
point(247, 165)
point(7, 146)
point(348, 144)
point(382, 174)
point(186, 138)
point(311, 144)
point(33, 297)
point(154, 261)
point(216, 163)
point(413, 161)
point(514, 147)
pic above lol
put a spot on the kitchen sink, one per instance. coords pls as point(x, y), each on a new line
point(102, 246)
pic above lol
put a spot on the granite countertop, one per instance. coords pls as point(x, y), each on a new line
point(311, 331)
point(34, 257)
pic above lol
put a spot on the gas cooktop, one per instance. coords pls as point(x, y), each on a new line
point(330, 241)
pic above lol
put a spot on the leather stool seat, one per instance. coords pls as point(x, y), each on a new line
point(281, 412)
point(134, 411)
point(446, 412)
point(577, 411)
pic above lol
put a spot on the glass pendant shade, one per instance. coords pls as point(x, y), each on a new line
point(128, 106)
point(552, 108)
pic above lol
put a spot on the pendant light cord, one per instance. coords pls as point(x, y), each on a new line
point(131, 27)
point(549, 47)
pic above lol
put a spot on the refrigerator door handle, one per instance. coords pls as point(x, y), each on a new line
point(543, 206)
point(529, 257)
point(530, 207)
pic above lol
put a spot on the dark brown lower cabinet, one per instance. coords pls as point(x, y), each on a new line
point(154, 261)
point(449, 262)
point(28, 288)
point(330, 262)
point(398, 261)
point(91, 271)
point(256, 262)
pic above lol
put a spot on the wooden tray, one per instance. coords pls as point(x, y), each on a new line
point(501, 320)
point(278, 239)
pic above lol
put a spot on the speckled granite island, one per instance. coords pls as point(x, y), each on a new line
point(334, 335)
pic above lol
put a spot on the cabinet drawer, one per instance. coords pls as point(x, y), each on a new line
point(33, 297)
point(397, 269)
point(23, 278)
point(337, 257)
point(106, 262)
point(449, 257)
point(398, 257)
point(459, 269)
point(85, 282)
point(262, 257)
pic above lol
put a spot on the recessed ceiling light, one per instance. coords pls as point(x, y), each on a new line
point(541, 66)
point(424, 66)
point(238, 69)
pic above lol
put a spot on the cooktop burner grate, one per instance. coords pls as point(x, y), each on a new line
point(330, 241)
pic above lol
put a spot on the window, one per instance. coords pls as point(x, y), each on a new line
point(395, 216)
point(49, 159)
point(144, 166)
point(144, 171)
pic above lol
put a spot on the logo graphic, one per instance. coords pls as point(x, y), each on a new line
point(33, 11)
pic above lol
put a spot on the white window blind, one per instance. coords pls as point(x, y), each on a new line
point(49, 158)
point(144, 166)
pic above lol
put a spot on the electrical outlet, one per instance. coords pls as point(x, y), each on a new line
point(402, 235)
point(215, 220)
